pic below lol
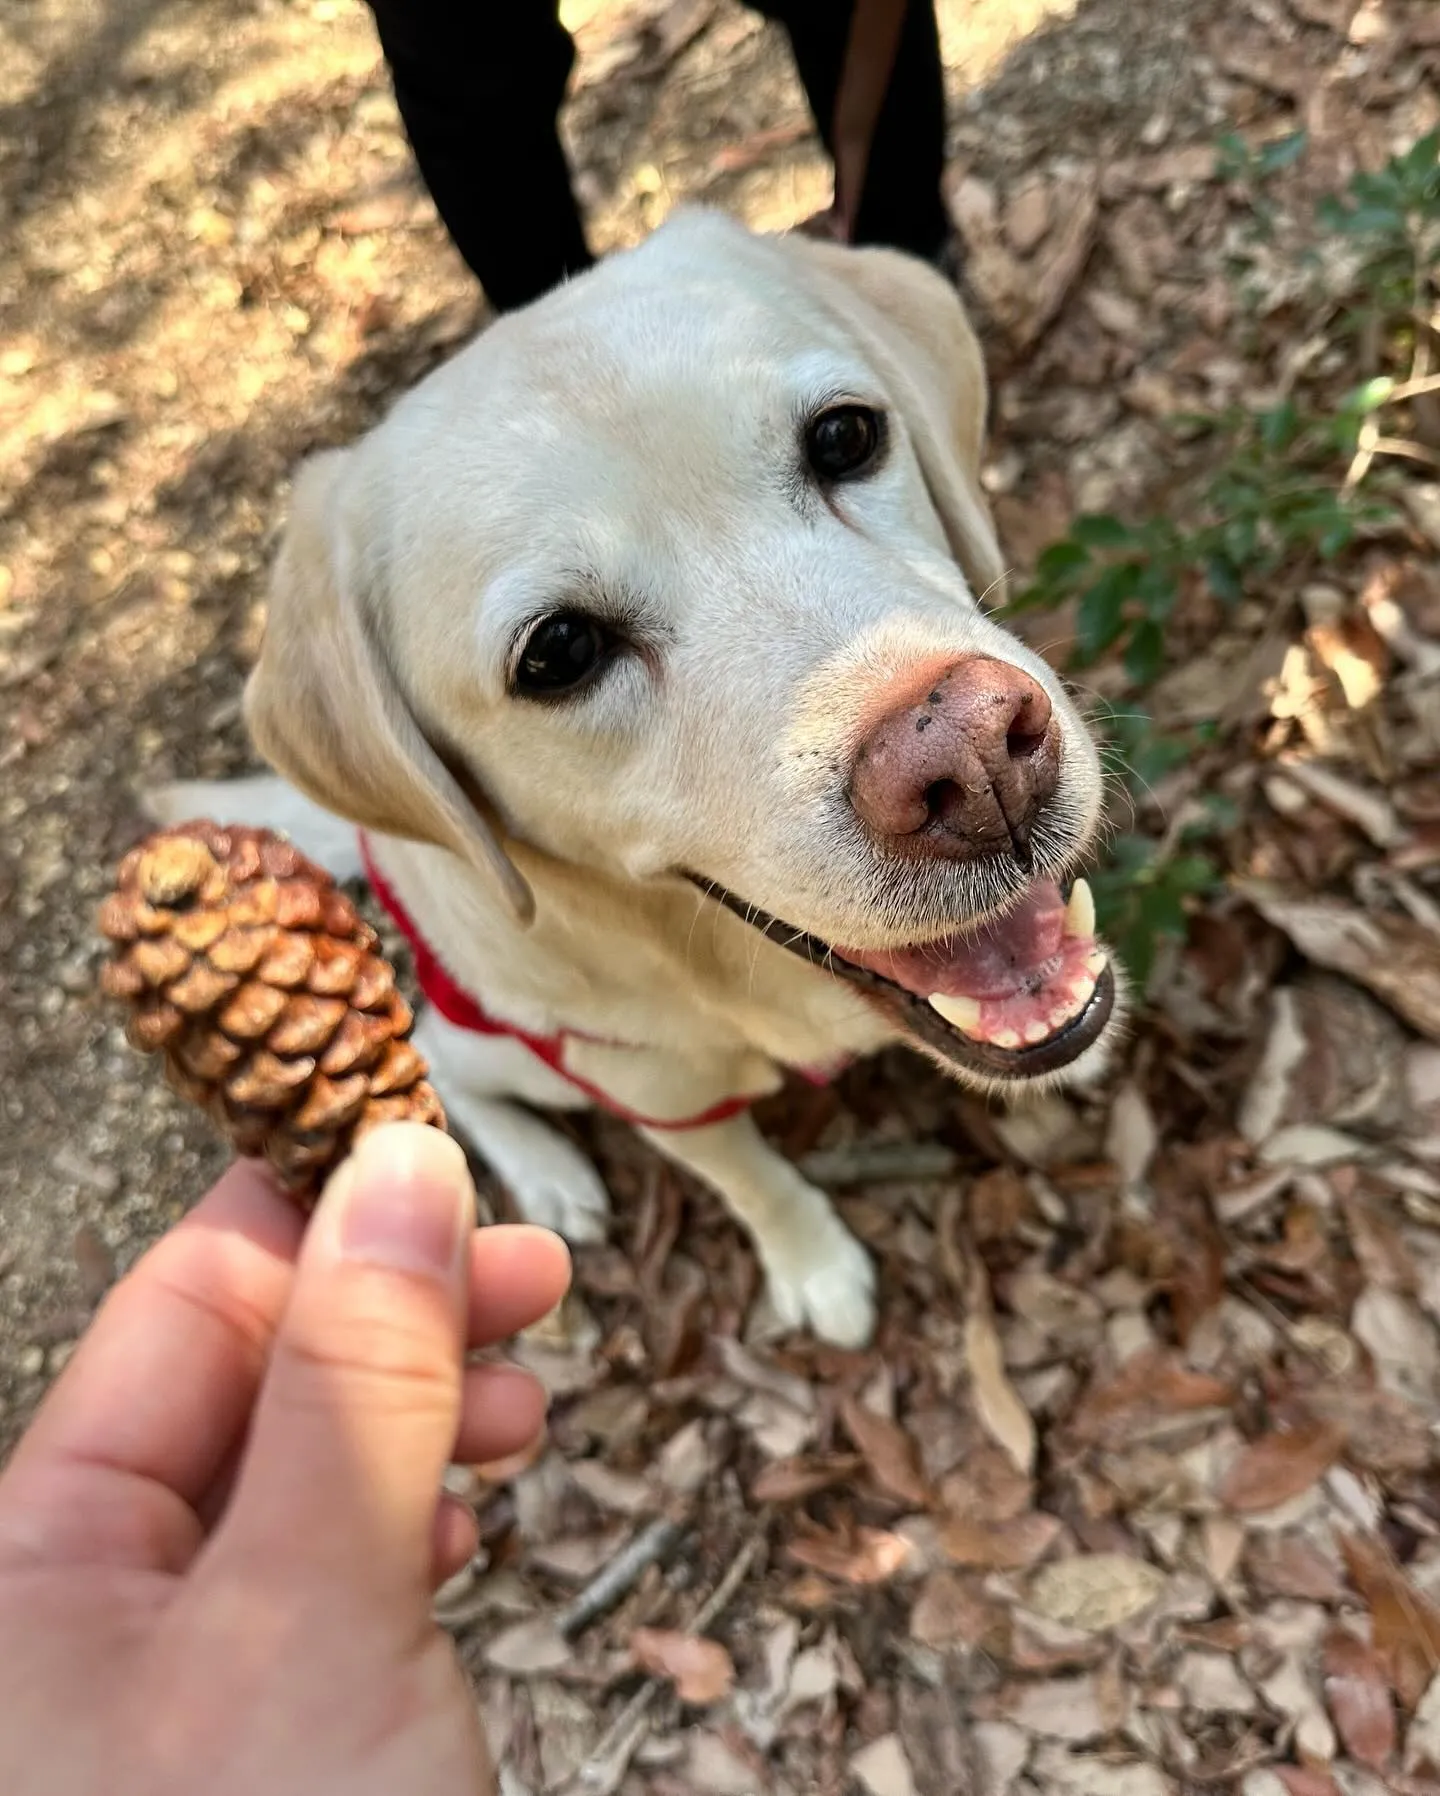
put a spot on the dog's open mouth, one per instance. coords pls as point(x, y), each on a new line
point(1018, 996)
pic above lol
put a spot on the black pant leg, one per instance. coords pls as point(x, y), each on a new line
point(478, 87)
point(901, 205)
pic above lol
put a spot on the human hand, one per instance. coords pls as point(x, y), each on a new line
point(219, 1537)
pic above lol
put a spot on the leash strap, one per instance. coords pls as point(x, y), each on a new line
point(870, 53)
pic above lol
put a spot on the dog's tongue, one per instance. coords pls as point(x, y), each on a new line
point(1000, 959)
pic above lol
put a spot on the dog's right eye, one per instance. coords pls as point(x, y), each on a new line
point(843, 441)
point(560, 652)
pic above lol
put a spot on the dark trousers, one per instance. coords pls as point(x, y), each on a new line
point(479, 86)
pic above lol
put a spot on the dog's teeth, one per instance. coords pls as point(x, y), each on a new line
point(1081, 992)
point(1080, 911)
point(1006, 1038)
point(1039, 1031)
point(961, 1013)
point(1095, 964)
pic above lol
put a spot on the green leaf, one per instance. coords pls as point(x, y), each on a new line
point(1371, 396)
point(1232, 156)
point(1374, 220)
point(1161, 910)
point(1281, 153)
point(1098, 530)
point(1221, 813)
point(1278, 425)
point(1152, 760)
point(1060, 559)
point(1101, 616)
point(1240, 538)
point(1145, 652)
point(1224, 580)
point(1423, 155)
point(1191, 874)
point(1157, 591)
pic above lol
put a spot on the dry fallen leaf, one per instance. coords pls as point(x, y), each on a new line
point(952, 1610)
point(872, 1556)
point(1405, 1623)
point(1290, 1565)
point(891, 1455)
point(1095, 1591)
point(883, 1769)
point(999, 1546)
point(1294, 1780)
point(1394, 956)
point(1382, 1431)
point(1057, 1709)
point(713, 1769)
point(701, 1670)
point(1358, 1698)
point(1005, 1417)
point(1276, 1467)
point(528, 1647)
point(788, 1480)
point(1151, 1385)
point(1422, 1737)
point(1402, 1342)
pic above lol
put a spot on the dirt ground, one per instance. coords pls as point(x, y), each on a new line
point(1136, 1493)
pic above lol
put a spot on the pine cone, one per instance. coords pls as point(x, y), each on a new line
point(265, 991)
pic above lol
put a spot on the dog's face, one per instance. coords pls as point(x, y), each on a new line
point(680, 572)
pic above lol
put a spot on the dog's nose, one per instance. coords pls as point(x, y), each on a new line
point(964, 772)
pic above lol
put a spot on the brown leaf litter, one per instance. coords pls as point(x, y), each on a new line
point(1135, 1494)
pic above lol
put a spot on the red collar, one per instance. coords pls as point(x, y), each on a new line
point(457, 1006)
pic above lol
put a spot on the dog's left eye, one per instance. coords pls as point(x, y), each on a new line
point(843, 440)
point(560, 652)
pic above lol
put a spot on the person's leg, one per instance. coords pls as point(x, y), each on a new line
point(900, 202)
point(478, 87)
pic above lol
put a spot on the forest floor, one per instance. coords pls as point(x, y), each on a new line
point(1137, 1490)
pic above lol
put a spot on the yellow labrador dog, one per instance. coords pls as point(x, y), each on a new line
point(645, 644)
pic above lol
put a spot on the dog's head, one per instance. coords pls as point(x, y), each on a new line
point(681, 572)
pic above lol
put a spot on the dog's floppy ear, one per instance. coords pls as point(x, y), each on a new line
point(324, 705)
point(910, 321)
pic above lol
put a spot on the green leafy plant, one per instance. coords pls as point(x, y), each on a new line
point(1277, 496)
point(1394, 219)
point(1289, 485)
point(1142, 888)
point(1252, 169)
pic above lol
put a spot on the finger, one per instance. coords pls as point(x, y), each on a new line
point(157, 1395)
point(454, 1539)
point(335, 1499)
point(518, 1274)
point(502, 1409)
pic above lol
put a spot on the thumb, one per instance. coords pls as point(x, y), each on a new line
point(357, 1417)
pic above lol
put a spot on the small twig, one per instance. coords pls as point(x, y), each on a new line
point(1412, 389)
point(607, 1764)
point(723, 1594)
point(952, 1247)
point(1365, 442)
point(879, 1162)
point(1370, 442)
point(1410, 451)
point(655, 1542)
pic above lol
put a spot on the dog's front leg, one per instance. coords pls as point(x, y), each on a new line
point(818, 1273)
point(479, 1077)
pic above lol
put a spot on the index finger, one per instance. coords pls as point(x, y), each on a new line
point(160, 1389)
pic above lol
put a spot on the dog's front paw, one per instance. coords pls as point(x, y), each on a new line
point(827, 1285)
point(568, 1197)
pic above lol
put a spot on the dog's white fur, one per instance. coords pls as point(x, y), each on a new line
point(632, 442)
